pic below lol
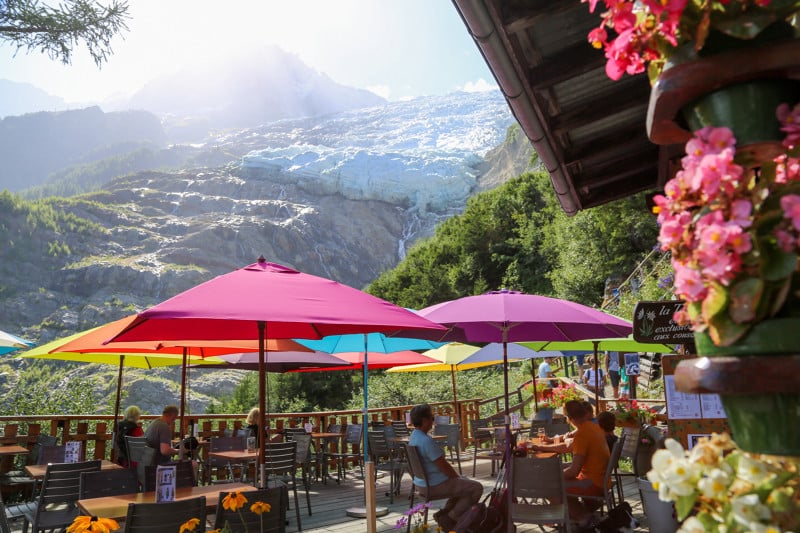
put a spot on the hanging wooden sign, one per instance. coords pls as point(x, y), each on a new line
point(652, 322)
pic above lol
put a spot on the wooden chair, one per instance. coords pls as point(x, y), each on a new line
point(165, 516)
point(536, 484)
point(607, 499)
point(280, 463)
point(184, 476)
point(453, 442)
point(417, 470)
point(97, 484)
point(55, 506)
point(244, 519)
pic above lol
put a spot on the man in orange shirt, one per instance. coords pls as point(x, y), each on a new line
point(590, 456)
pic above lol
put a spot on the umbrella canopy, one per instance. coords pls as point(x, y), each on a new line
point(267, 300)
point(10, 343)
point(507, 316)
point(376, 360)
point(376, 343)
point(293, 305)
point(277, 361)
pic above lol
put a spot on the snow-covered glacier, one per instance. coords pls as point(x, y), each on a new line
point(420, 154)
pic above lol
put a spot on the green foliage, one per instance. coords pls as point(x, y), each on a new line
point(55, 31)
point(41, 394)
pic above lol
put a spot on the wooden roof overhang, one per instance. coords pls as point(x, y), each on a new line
point(588, 130)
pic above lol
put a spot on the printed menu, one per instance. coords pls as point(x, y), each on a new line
point(165, 483)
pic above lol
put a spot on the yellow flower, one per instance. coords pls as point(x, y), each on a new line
point(92, 524)
point(260, 507)
point(189, 525)
point(234, 501)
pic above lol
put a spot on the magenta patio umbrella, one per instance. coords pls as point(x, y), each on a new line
point(267, 300)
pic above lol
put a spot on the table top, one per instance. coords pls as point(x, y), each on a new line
point(235, 455)
point(37, 471)
point(13, 449)
point(324, 435)
point(117, 506)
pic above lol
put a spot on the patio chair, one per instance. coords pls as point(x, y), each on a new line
point(629, 451)
point(328, 446)
point(441, 419)
point(280, 463)
point(55, 506)
point(289, 433)
point(135, 450)
point(453, 442)
point(18, 480)
point(352, 438)
point(386, 460)
point(417, 470)
point(535, 425)
point(480, 436)
point(184, 476)
point(303, 460)
point(216, 467)
point(165, 516)
point(607, 499)
point(244, 519)
point(51, 454)
point(400, 428)
point(557, 428)
point(496, 453)
point(535, 487)
point(96, 484)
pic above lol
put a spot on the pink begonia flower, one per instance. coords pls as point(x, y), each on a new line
point(788, 169)
point(622, 57)
point(689, 283)
point(738, 240)
point(672, 230)
point(790, 123)
point(722, 268)
point(786, 241)
point(791, 209)
point(598, 37)
point(740, 213)
point(720, 139)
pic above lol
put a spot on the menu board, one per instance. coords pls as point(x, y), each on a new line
point(690, 416)
point(72, 451)
point(165, 483)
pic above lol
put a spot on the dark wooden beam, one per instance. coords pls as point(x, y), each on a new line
point(601, 106)
point(611, 152)
point(571, 62)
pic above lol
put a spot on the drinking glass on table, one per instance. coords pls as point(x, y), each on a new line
point(540, 434)
point(251, 444)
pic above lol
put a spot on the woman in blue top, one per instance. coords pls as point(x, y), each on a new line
point(461, 492)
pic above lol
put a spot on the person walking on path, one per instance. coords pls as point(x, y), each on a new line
point(612, 370)
point(461, 492)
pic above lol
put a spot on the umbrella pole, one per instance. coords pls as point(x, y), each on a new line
point(596, 378)
point(116, 407)
point(507, 451)
point(456, 406)
point(262, 404)
point(183, 392)
point(369, 481)
point(533, 377)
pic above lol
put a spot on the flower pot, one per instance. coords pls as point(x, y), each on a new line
point(661, 516)
point(758, 380)
point(738, 85)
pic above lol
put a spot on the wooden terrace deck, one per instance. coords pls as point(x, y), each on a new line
point(329, 501)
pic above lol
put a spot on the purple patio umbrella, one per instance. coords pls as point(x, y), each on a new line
point(278, 361)
point(508, 316)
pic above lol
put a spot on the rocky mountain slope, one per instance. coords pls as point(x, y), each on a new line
point(341, 197)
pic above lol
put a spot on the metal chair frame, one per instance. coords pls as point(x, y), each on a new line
point(165, 516)
point(535, 484)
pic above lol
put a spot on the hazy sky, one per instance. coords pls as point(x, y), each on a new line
point(396, 49)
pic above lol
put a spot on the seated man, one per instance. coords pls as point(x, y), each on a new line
point(590, 456)
point(159, 435)
point(444, 481)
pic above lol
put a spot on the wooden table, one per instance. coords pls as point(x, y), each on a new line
point(235, 455)
point(321, 447)
point(116, 507)
point(37, 471)
point(13, 449)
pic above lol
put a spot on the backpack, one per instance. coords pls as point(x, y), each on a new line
point(471, 521)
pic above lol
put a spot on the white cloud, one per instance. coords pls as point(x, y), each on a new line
point(479, 86)
point(380, 90)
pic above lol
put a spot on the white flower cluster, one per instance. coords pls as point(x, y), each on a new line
point(727, 490)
